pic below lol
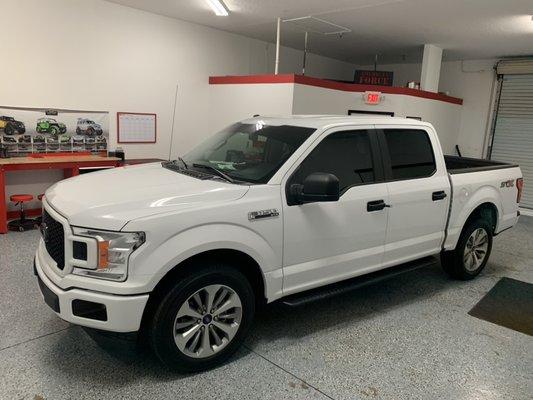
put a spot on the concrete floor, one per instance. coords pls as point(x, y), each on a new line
point(408, 338)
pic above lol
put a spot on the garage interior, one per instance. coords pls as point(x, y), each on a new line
point(84, 74)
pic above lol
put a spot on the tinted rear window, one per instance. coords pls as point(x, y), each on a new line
point(410, 153)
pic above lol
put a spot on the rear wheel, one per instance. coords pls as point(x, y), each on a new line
point(472, 252)
point(204, 319)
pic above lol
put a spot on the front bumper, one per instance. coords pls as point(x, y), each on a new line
point(116, 313)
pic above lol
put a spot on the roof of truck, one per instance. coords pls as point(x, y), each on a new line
point(326, 121)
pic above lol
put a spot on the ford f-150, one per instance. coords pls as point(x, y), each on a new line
point(288, 209)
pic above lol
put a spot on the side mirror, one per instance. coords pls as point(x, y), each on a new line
point(317, 187)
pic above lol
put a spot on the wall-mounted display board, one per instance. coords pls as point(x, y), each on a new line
point(45, 130)
point(136, 127)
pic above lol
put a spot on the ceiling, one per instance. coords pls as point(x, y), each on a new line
point(393, 29)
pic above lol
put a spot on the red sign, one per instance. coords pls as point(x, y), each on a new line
point(372, 97)
point(381, 78)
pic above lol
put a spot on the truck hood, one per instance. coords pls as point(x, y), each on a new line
point(110, 199)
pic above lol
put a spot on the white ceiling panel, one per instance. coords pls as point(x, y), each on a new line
point(394, 29)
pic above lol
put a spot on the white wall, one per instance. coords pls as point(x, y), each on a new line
point(230, 103)
point(471, 80)
point(92, 54)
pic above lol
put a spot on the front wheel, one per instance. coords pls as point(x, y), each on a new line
point(204, 319)
point(472, 252)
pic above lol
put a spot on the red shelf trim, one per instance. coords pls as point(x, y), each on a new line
point(327, 84)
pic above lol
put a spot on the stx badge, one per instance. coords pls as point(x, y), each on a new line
point(508, 184)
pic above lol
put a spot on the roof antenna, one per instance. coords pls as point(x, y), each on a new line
point(305, 53)
point(172, 129)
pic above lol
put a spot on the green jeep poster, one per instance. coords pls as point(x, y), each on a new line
point(44, 130)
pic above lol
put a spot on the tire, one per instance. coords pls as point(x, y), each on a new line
point(8, 130)
point(78, 131)
point(460, 263)
point(90, 132)
point(194, 354)
point(54, 131)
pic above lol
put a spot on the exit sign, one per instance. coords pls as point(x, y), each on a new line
point(372, 97)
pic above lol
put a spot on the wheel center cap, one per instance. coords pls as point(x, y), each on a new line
point(207, 319)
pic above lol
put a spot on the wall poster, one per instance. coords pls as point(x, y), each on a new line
point(42, 130)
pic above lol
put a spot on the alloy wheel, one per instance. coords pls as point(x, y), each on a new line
point(476, 249)
point(207, 321)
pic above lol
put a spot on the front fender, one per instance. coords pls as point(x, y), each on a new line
point(199, 239)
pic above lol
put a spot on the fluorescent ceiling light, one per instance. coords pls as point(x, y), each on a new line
point(218, 7)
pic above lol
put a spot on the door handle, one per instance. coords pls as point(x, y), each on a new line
point(376, 205)
point(441, 194)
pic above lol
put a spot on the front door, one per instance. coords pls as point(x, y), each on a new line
point(326, 242)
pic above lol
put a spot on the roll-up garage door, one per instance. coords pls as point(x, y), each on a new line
point(513, 129)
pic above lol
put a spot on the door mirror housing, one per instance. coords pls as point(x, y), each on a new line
point(317, 187)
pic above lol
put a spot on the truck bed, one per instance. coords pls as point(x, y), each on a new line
point(462, 165)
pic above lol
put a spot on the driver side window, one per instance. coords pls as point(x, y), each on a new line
point(346, 154)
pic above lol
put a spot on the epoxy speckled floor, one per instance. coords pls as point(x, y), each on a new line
point(408, 338)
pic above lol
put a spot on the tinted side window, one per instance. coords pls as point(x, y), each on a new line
point(410, 152)
point(347, 155)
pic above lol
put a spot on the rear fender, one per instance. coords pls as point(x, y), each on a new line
point(466, 202)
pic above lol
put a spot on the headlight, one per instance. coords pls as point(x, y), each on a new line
point(114, 250)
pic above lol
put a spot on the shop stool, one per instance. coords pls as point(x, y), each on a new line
point(23, 223)
point(39, 219)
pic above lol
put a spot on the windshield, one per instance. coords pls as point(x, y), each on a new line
point(248, 152)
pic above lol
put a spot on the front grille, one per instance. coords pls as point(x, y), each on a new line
point(54, 239)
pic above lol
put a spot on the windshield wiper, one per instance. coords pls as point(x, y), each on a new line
point(215, 170)
point(183, 162)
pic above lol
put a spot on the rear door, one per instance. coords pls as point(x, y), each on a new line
point(326, 242)
point(419, 193)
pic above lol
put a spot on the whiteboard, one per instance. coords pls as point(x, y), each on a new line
point(136, 127)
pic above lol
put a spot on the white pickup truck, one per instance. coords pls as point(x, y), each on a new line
point(293, 208)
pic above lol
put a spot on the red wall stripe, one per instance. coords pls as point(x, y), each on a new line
point(327, 84)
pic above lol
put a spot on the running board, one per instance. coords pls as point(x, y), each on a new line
point(348, 285)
